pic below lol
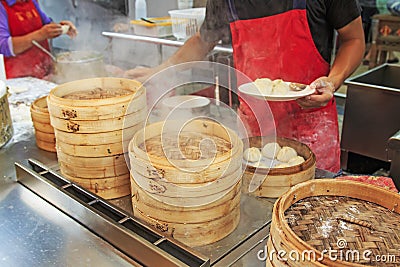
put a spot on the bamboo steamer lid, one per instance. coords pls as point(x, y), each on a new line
point(365, 216)
point(279, 180)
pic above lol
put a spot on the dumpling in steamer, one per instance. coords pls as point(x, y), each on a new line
point(286, 153)
point(271, 150)
point(252, 154)
point(296, 161)
point(264, 85)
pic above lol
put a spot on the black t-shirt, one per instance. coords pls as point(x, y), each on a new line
point(323, 17)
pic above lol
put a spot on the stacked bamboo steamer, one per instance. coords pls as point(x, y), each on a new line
point(94, 119)
point(44, 132)
point(330, 222)
point(187, 183)
point(277, 181)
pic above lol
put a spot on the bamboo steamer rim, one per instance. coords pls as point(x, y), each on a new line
point(151, 130)
point(197, 234)
point(145, 203)
point(170, 192)
point(56, 94)
point(40, 117)
point(94, 173)
point(117, 109)
point(99, 126)
point(47, 146)
point(121, 180)
point(284, 179)
point(301, 149)
point(97, 138)
point(91, 162)
point(40, 105)
point(176, 176)
point(92, 151)
point(331, 187)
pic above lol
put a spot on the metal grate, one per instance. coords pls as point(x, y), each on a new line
point(133, 238)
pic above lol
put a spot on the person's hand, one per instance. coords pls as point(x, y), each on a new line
point(140, 73)
point(50, 31)
point(324, 89)
point(72, 31)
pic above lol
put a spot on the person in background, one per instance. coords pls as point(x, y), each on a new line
point(21, 22)
point(290, 40)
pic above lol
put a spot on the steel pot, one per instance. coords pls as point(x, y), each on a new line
point(6, 129)
point(76, 65)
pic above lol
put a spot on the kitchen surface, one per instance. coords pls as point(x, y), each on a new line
point(101, 170)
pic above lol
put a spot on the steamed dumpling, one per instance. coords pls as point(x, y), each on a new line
point(270, 150)
point(286, 153)
point(264, 85)
point(296, 161)
point(252, 154)
point(280, 87)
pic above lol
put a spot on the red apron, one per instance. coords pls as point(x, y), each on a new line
point(281, 47)
point(23, 18)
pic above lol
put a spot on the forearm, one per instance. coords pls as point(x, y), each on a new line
point(23, 43)
point(350, 53)
point(194, 49)
point(347, 60)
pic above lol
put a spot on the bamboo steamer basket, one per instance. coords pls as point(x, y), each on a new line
point(99, 126)
point(108, 188)
point(93, 139)
point(94, 120)
point(153, 163)
point(279, 180)
point(99, 172)
point(194, 226)
point(340, 215)
point(91, 162)
point(191, 197)
point(44, 132)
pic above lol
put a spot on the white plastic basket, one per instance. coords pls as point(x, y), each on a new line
point(186, 22)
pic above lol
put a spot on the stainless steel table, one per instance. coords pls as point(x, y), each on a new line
point(35, 233)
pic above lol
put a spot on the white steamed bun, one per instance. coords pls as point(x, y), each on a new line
point(252, 154)
point(270, 150)
point(286, 153)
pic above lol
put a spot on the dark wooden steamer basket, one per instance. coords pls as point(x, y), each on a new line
point(279, 180)
point(373, 226)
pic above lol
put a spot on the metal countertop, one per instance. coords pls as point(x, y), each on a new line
point(35, 233)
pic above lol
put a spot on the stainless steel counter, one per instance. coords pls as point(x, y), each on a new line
point(35, 233)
